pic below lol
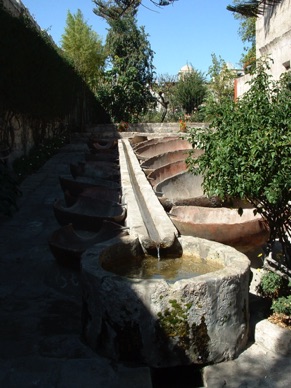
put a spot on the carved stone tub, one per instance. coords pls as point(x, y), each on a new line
point(202, 319)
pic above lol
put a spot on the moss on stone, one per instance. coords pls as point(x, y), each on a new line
point(173, 323)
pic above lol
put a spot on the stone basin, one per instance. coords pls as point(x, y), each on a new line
point(199, 320)
point(160, 147)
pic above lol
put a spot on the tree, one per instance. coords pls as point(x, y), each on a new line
point(163, 92)
point(248, 152)
point(190, 91)
point(252, 8)
point(83, 47)
point(114, 9)
point(126, 86)
point(117, 8)
point(247, 33)
point(221, 84)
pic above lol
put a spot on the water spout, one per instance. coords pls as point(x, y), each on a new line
point(158, 252)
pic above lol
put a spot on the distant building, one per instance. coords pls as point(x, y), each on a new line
point(186, 69)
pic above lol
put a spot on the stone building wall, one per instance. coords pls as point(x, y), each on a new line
point(273, 36)
point(273, 39)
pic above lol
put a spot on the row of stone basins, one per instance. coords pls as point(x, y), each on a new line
point(135, 196)
point(95, 206)
point(91, 210)
point(192, 212)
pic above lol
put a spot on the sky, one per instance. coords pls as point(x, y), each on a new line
point(187, 32)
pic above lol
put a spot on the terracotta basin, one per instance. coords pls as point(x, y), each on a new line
point(88, 213)
point(162, 147)
point(76, 186)
point(222, 225)
point(182, 185)
point(137, 139)
point(86, 170)
point(98, 192)
point(166, 171)
point(102, 150)
point(184, 188)
point(169, 157)
point(101, 144)
point(152, 141)
point(67, 245)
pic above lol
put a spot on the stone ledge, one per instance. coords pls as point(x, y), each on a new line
point(273, 337)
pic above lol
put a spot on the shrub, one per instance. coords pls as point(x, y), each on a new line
point(282, 305)
point(272, 285)
point(247, 151)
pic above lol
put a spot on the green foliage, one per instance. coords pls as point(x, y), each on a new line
point(282, 305)
point(249, 60)
point(198, 116)
point(83, 47)
point(190, 91)
point(152, 116)
point(251, 8)
point(174, 321)
point(248, 150)
point(221, 84)
point(247, 33)
point(125, 87)
point(272, 285)
point(163, 90)
point(278, 289)
point(115, 9)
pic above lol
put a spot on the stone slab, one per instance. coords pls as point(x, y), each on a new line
point(273, 338)
point(254, 368)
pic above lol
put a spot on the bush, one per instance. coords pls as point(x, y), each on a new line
point(273, 286)
point(282, 305)
point(247, 151)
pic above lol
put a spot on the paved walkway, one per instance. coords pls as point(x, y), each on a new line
point(40, 315)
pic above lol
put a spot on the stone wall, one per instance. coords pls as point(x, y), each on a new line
point(242, 85)
point(273, 37)
point(15, 7)
point(109, 130)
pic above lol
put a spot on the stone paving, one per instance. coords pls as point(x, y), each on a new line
point(40, 316)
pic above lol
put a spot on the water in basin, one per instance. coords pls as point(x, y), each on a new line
point(170, 269)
